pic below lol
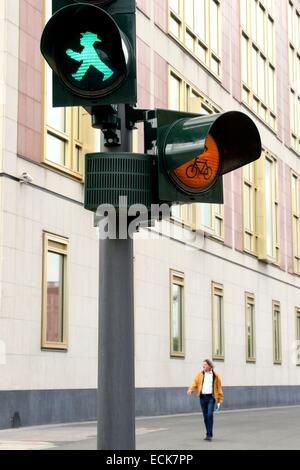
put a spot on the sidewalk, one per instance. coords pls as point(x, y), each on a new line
point(271, 428)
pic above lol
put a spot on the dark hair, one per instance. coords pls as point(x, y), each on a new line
point(210, 363)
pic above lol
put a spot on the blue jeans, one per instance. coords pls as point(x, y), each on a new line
point(208, 406)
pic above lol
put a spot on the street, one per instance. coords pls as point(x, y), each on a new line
point(256, 429)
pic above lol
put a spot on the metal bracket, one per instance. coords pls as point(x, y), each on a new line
point(106, 118)
point(133, 116)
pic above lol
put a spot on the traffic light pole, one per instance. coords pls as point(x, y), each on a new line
point(116, 378)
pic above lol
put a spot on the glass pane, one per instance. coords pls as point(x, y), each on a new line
point(200, 17)
point(217, 322)
point(78, 156)
point(295, 195)
point(175, 6)
point(189, 12)
point(206, 212)
point(174, 27)
point(177, 318)
point(76, 115)
point(245, 59)
point(174, 93)
point(296, 236)
point(248, 242)
point(55, 149)
point(253, 19)
point(189, 41)
point(248, 207)
point(176, 212)
point(254, 70)
point(261, 28)
point(56, 117)
point(246, 96)
point(271, 88)
point(55, 297)
point(218, 227)
point(250, 331)
point(270, 39)
point(215, 66)
point(269, 208)
point(262, 77)
point(244, 14)
point(201, 52)
point(298, 328)
point(214, 27)
point(277, 339)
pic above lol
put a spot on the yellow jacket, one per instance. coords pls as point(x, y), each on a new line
point(217, 386)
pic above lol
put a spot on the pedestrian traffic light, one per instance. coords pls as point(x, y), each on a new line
point(91, 48)
point(194, 151)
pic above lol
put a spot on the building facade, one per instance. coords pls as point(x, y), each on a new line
point(220, 281)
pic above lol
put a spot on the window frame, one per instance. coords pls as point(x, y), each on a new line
point(60, 245)
point(177, 278)
point(249, 96)
point(205, 43)
point(261, 212)
point(276, 308)
point(250, 300)
point(294, 73)
point(218, 290)
point(250, 232)
point(295, 221)
point(297, 335)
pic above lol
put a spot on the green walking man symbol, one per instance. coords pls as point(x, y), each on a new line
point(89, 57)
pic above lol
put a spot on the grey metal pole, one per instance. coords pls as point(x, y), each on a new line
point(116, 379)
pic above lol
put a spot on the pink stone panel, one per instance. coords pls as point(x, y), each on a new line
point(226, 44)
point(30, 80)
point(228, 210)
point(161, 14)
point(282, 215)
point(238, 210)
point(144, 82)
point(231, 52)
point(144, 74)
point(282, 72)
point(160, 82)
point(144, 6)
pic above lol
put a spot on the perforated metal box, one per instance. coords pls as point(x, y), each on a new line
point(109, 176)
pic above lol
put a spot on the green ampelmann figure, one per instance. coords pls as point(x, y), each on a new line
point(89, 57)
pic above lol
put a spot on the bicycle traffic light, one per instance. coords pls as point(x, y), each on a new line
point(91, 48)
point(194, 151)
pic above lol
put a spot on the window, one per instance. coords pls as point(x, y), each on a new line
point(294, 72)
point(54, 308)
point(65, 129)
point(212, 218)
point(276, 333)
point(218, 321)
point(267, 208)
point(272, 208)
point(250, 201)
point(296, 221)
point(197, 25)
point(209, 217)
point(177, 314)
point(258, 59)
point(250, 328)
point(298, 336)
